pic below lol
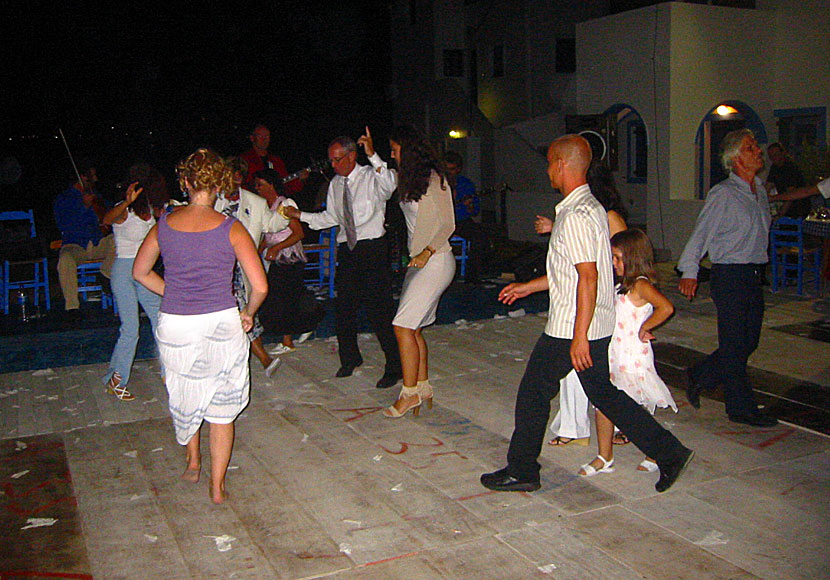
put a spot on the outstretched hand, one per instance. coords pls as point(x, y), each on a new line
point(365, 141)
point(512, 292)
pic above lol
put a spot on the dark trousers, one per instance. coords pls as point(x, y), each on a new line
point(363, 279)
point(737, 293)
point(548, 364)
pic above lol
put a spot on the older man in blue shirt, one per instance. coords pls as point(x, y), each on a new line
point(81, 235)
point(733, 228)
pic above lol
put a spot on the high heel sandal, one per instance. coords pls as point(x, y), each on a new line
point(114, 388)
point(406, 392)
point(425, 391)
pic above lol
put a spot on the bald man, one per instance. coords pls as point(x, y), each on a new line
point(581, 319)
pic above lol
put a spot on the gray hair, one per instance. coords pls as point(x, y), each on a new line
point(346, 142)
point(731, 146)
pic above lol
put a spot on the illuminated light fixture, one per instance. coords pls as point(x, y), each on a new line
point(457, 134)
point(724, 110)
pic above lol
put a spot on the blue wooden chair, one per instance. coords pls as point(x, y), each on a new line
point(21, 249)
point(463, 247)
point(789, 254)
point(322, 260)
point(89, 282)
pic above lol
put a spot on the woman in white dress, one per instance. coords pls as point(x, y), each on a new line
point(426, 202)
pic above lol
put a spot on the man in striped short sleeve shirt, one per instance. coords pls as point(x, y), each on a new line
point(580, 322)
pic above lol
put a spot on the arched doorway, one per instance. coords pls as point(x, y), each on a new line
point(720, 120)
point(631, 164)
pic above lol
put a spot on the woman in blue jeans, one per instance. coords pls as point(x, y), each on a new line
point(131, 220)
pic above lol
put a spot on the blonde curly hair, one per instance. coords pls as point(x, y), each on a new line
point(205, 170)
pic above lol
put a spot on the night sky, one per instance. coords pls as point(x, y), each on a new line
point(170, 79)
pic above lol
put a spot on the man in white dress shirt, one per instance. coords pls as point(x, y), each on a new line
point(580, 322)
point(363, 270)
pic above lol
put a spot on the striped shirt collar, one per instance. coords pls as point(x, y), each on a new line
point(576, 196)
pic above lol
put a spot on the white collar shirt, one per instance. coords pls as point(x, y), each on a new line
point(370, 187)
point(580, 234)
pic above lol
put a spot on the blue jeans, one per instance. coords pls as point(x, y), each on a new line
point(128, 294)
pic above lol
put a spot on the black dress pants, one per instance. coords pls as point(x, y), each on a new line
point(739, 298)
point(548, 364)
point(363, 278)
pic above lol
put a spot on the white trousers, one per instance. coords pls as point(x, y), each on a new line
point(572, 420)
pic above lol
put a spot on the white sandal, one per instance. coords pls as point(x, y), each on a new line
point(648, 466)
point(114, 388)
point(590, 470)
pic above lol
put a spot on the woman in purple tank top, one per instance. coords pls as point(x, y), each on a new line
point(201, 333)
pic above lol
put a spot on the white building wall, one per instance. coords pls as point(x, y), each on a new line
point(688, 58)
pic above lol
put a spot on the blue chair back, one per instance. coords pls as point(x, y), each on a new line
point(790, 255)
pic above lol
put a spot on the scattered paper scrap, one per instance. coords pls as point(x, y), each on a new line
point(305, 438)
point(148, 401)
point(499, 317)
point(39, 523)
point(231, 467)
point(356, 523)
point(151, 538)
point(157, 449)
point(713, 538)
point(132, 454)
point(346, 549)
point(377, 458)
point(135, 497)
point(53, 398)
point(547, 568)
point(20, 474)
point(223, 542)
point(398, 487)
point(43, 373)
point(19, 446)
point(517, 313)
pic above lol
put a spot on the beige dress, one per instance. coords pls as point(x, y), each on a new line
point(430, 222)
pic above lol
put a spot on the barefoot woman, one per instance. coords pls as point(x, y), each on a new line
point(201, 333)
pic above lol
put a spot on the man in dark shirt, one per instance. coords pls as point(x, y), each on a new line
point(81, 237)
point(785, 175)
point(467, 206)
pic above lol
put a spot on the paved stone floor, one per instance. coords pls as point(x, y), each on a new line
point(322, 486)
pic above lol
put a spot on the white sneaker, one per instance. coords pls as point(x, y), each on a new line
point(280, 349)
point(303, 337)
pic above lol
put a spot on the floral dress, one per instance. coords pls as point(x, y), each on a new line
point(631, 361)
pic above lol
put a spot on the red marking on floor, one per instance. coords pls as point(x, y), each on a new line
point(405, 446)
point(482, 494)
point(782, 433)
point(35, 574)
point(389, 559)
point(359, 412)
point(777, 438)
point(31, 493)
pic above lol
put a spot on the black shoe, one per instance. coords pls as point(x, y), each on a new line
point(501, 480)
point(692, 389)
point(346, 370)
point(389, 379)
point(756, 419)
point(671, 471)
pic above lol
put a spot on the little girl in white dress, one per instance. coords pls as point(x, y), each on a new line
point(640, 307)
